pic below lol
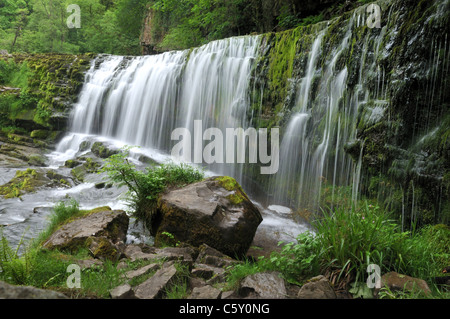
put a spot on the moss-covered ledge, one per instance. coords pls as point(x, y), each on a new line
point(47, 85)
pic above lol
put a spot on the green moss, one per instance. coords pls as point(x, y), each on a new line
point(230, 184)
point(100, 150)
point(72, 163)
point(23, 182)
point(102, 248)
point(88, 167)
point(40, 134)
point(49, 83)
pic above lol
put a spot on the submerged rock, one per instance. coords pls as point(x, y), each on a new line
point(215, 212)
point(102, 151)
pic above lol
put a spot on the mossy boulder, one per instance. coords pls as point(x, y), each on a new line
point(102, 151)
point(101, 223)
point(90, 166)
point(26, 181)
point(216, 212)
point(72, 163)
point(40, 134)
point(37, 160)
point(102, 248)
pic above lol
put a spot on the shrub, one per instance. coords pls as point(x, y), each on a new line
point(145, 187)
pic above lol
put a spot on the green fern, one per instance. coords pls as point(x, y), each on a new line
point(14, 268)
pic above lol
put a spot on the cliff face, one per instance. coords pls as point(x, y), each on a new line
point(382, 92)
point(49, 85)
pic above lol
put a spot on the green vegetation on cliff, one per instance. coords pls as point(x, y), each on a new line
point(38, 89)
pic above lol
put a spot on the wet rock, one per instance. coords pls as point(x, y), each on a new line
point(8, 291)
point(37, 160)
point(72, 163)
point(84, 146)
point(317, 288)
point(90, 166)
point(215, 211)
point(23, 182)
point(266, 285)
point(112, 225)
point(100, 150)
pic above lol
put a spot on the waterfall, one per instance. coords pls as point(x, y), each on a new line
point(341, 86)
point(313, 130)
point(141, 100)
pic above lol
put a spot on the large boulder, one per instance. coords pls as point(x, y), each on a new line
point(109, 224)
point(216, 212)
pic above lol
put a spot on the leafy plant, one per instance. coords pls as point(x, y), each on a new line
point(14, 268)
point(145, 186)
point(299, 260)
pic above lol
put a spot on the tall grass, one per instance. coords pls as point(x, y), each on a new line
point(14, 268)
point(347, 241)
point(62, 212)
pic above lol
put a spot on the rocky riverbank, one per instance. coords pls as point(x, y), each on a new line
point(196, 256)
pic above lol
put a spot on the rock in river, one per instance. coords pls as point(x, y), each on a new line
point(216, 212)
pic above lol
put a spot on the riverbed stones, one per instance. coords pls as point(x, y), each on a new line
point(317, 288)
point(155, 287)
point(264, 285)
point(215, 211)
point(112, 225)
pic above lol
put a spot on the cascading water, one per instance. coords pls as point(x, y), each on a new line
point(141, 100)
point(313, 130)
